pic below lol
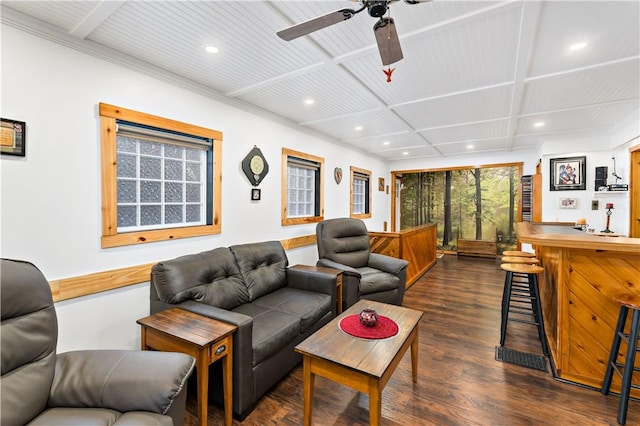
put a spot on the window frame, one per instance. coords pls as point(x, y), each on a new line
point(354, 172)
point(286, 155)
point(108, 143)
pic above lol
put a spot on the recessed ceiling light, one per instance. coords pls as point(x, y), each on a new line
point(578, 46)
point(211, 49)
point(538, 124)
point(405, 153)
point(358, 127)
point(386, 143)
point(309, 101)
point(469, 146)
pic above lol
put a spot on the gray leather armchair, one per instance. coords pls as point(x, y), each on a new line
point(94, 387)
point(343, 244)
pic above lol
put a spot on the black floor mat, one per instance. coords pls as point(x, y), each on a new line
point(523, 359)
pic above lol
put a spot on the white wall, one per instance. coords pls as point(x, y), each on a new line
point(50, 200)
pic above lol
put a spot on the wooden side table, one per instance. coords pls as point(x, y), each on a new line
point(336, 272)
point(205, 339)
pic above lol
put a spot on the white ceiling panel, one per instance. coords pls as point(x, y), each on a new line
point(388, 142)
point(481, 72)
point(373, 123)
point(476, 146)
point(613, 82)
point(610, 33)
point(333, 95)
point(481, 105)
point(178, 31)
point(605, 115)
point(467, 132)
point(410, 152)
point(450, 59)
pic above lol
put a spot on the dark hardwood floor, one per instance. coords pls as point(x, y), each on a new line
point(460, 382)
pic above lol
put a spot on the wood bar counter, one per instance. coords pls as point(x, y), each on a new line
point(582, 274)
point(417, 245)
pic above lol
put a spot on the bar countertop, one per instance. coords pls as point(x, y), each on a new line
point(567, 237)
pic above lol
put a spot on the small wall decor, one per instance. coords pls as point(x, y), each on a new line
point(337, 175)
point(380, 184)
point(568, 173)
point(255, 166)
point(255, 194)
point(568, 203)
point(12, 137)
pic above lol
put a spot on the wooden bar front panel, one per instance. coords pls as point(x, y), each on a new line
point(416, 245)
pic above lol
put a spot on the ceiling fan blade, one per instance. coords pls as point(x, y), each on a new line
point(388, 41)
point(416, 1)
point(315, 24)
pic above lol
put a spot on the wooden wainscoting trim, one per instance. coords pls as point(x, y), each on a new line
point(84, 285)
point(305, 240)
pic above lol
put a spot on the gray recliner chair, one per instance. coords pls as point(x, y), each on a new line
point(343, 244)
point(92, 387)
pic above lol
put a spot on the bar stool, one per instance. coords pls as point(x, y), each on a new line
point(518, 253)
point(522, 300)
point(627, 302)
point(521, 260)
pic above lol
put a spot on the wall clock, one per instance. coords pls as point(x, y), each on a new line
point(255, 166)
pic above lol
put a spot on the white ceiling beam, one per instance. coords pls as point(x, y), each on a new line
point(97, 16)
point(528, 30)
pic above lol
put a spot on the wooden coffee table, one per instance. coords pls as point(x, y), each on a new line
point(362, 364)
point(205, 339)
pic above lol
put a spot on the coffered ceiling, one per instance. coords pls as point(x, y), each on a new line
point(477, 76)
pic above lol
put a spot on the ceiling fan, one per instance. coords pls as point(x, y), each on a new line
point(384, 29)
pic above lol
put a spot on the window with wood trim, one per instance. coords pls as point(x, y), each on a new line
point(161, 179)
point(302, 193)
point(360, 206)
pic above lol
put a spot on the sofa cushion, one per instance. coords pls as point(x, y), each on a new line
point(262, 265)
point(99, 417)
point(308, 306)
point(77, 416)
point(211, 277)
point(374, 281)
point(272, 330)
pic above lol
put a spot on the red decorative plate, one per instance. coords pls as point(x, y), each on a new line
point(386, 327)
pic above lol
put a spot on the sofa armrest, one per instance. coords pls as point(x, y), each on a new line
point(347, 270)
point(122, 380)
point(313, 279)
point(388, 264)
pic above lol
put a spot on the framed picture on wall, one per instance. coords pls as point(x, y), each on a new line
point(568, 173)
point(568, 203)
point(12, 137)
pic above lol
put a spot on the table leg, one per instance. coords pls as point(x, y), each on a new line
point(227, 383)
point(414, 357)
point(308, 382)
point(375, 403)
point(202, 370)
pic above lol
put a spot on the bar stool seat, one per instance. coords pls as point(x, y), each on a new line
point(627, 302)
point(523, 260)
point(522, 300)
point(518, 253)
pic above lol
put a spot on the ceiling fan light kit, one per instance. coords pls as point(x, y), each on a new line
point(384, 29)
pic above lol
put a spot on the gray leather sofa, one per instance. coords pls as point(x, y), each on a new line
point(343, 244)
point(251, 286)
point(92, 387)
